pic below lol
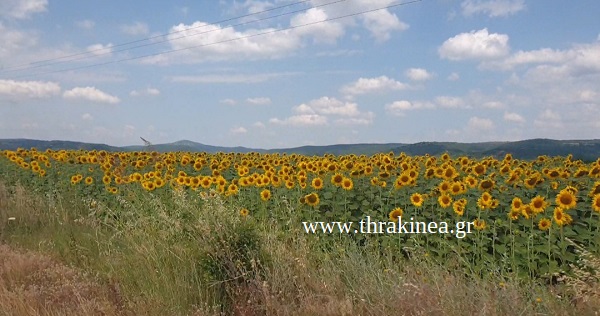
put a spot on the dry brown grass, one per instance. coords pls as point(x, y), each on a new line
point(35, 284)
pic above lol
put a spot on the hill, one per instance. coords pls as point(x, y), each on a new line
point(586, 150)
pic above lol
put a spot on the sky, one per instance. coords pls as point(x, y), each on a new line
point(281, 74)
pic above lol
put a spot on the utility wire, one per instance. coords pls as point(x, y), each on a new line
point(223, 41)
point(90, 53)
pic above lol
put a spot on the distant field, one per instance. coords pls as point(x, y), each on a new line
point(533, 220)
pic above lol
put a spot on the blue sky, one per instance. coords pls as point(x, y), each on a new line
point(434, 70)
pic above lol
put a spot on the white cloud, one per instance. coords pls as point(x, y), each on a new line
point(453, 76)
point(230, 78)
point(201, 42)
point(301, 120)
point(382, 23)
point(328, 106)
point(477, 123)
point(326, 32)
point(13, 41)
point(90, 94)
point(228, 101)
point(100, 49)
point(319, 111)
point(450, 102)
point(238, 130)
point(493, 105)
point(87, 117)
point(147, 91)
point(373, 85)
point(22, 9)
point(364, 119)
point(548, 119)
point(493, 8)
point(259, 125)
point(28, 89)
point(85, 24)
point(398, 108)
point(475, 45)
point(259, 101)
point(135, 29)
point(513, 117)
point(418, 74)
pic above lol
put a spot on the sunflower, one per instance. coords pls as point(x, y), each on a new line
point(444, 186)
point(312, 199)
point(265, 195)
point(244, 212)
point(544, 224)
point(538, 204)
point(479, 224)
point(395, 214)
point(479, 169)
point(596, 203)
point(89, 180)
point(337, 179)
point(444, 200)
point(416, 199)
point(347, 184)
point(486, 185)
point(514, 214)
point(527, 211)
point(516, 204)
point(106, 179)
point(566, 199)
point(317, 183)
point(561, 217)
point(459, 206)
point(485, 200)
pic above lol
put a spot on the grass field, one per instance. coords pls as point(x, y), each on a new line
point(87, 232)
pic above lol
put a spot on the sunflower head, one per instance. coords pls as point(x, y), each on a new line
point(395, 214)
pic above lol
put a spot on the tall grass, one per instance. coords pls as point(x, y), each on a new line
point(187, 255)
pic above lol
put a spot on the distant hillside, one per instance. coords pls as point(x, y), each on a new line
point(586, 150)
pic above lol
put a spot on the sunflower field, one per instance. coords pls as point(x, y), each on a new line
point(529, 217)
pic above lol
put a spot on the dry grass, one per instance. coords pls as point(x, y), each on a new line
point(156, 270)
point(35, 284)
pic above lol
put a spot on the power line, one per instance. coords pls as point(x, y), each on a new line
point(90, 53)
point(223, 41)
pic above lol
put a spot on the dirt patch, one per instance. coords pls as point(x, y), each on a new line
point(35, 284)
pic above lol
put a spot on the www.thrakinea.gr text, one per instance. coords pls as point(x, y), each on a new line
point(369, 226)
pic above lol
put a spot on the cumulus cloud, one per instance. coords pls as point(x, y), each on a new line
point(100, 49)
point(87, 117)
point(373, 85)
point(318, 112)
point(453, 76)
point(477, 123)
point(327, 32)
point(22, 9)
point(513, 117)
point(493, 8)
point(398, 108)
point(85, 24)
point(238, 130)
point(28, 89)
point(382, 23)
point(480, 45)
point(147, 91)
point(228, 102)
point(90, 94)
point(418, 74)
point(201, 42)
point(451, 102)
point(301, 120)
point(135, 29)
point(259, 101)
